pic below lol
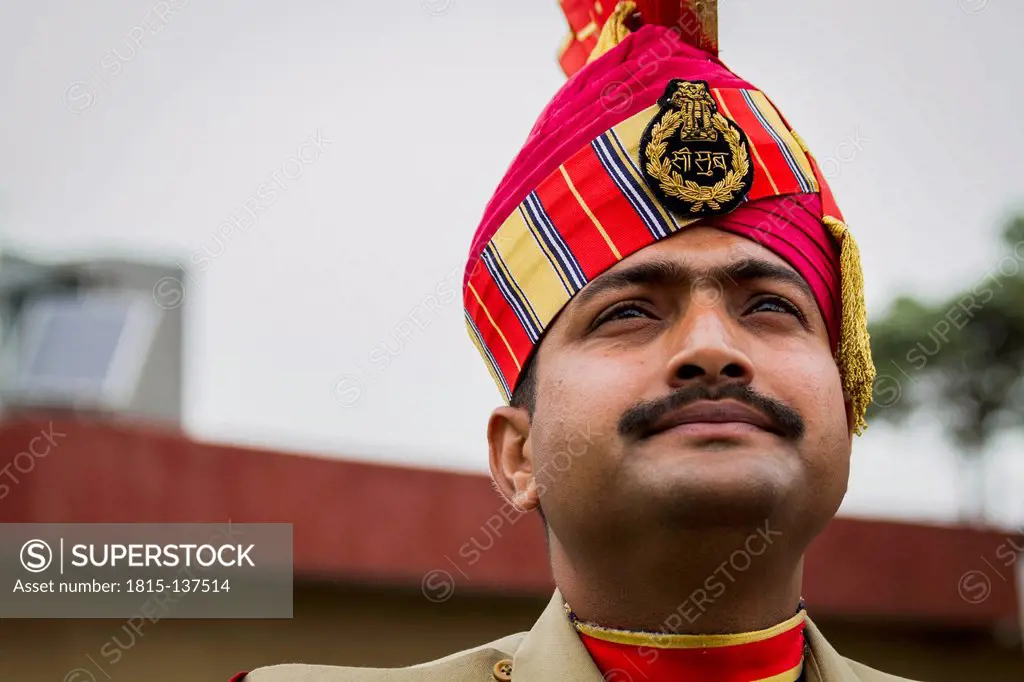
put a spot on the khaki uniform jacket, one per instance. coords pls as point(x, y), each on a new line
point(550, 652)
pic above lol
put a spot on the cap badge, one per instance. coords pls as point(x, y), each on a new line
point(695, 160)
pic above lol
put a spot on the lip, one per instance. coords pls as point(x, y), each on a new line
point(711, 418)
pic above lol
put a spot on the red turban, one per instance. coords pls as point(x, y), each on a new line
point(653, 135)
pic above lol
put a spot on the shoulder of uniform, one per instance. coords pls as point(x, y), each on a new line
point(866, 674)
point(493, 659)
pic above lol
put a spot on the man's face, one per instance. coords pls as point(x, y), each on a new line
point(699, 374)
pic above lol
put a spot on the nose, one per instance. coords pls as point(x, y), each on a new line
point(705, 350)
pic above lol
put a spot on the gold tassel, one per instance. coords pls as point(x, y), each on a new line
point(614, 30)
point(854, 355)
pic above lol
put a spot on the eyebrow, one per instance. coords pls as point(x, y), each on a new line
point(670, 273)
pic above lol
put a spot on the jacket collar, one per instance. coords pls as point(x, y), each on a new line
point(552, 652)
point(824, 663)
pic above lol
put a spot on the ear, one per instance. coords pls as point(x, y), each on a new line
point(848, 403)
point(508, 436)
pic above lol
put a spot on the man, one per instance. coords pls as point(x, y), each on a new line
point(664, 269)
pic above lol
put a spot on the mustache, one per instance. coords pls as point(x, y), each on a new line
point(640, 420)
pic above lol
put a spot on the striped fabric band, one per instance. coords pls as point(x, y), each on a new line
point(593, 211)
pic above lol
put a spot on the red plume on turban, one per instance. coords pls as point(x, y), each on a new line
point(697, 23)
point(593, 183)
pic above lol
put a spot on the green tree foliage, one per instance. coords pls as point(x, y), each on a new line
point(962, 358)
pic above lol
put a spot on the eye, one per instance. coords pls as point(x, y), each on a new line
point(621, 311)
point(775, 304)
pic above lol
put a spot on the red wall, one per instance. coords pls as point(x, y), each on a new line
point(373, 523)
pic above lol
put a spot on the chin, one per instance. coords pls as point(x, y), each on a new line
point(718, 482)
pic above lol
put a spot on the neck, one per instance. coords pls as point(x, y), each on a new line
point(721, 590)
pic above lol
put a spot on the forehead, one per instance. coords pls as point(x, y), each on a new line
point(701, 248)
point(701, 252)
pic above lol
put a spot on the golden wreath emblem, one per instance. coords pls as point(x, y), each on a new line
point(695, 159)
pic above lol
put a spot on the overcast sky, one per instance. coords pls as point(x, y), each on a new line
point(141, 127)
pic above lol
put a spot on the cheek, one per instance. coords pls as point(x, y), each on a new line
point(597, 386)
point(810, 383)
point(580, 400)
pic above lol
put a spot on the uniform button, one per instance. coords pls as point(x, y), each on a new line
point(503, 670)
